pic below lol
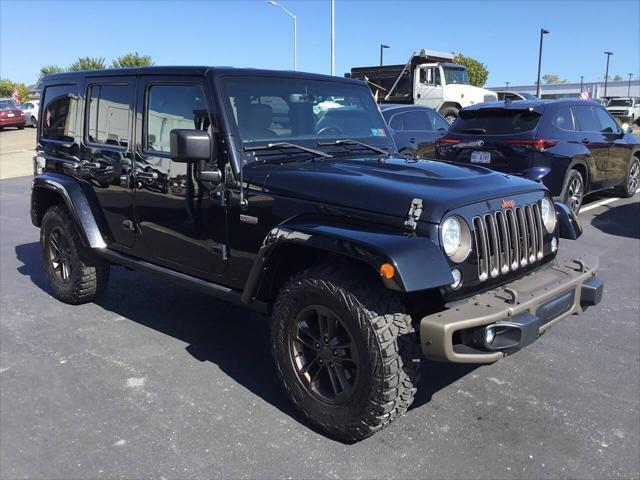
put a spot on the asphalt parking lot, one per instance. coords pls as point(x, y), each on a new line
point(154, 380)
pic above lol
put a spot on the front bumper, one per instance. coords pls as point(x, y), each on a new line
point(518, 313)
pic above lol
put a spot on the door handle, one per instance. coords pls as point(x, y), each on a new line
point(585, 141)
point(140, 175)
point(412, 140)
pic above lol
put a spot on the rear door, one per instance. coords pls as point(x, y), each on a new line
point(588, 132)
point(415, 132)
point(106, 150)
point(181, 220)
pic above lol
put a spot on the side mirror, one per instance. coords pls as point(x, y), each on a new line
point(190, 145)
point(626, 128)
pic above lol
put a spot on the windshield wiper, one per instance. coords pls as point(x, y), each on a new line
point(349, 141)
point(273, 146)
point(474, 130)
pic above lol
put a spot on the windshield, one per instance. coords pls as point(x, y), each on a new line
point(267, 110)
point(6, 104)
point(456, 75)
point(620, 102)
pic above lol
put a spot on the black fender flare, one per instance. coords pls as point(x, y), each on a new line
point(76, 201)
point(568, 223)
point(419, 263)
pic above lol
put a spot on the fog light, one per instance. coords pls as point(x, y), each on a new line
point(489, 335)
point(554, 244)
point(457, 278)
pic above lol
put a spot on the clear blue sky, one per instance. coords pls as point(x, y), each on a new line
point(502, 34)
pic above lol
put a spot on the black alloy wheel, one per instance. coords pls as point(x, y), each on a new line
point(59, 255)
point(574, 194)
point(324, 354)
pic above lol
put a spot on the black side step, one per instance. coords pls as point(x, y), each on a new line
point(210, 288)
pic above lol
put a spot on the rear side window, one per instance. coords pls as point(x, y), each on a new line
point(586, 119)
point(173, 106)
point(495, 121)
point(413, 121)
point(59, 110)
point(563, 119)
point(109, 115)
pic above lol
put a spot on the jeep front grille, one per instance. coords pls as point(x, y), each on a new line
point(507, 240)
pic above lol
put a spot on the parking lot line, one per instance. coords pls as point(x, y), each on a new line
point(601, 202)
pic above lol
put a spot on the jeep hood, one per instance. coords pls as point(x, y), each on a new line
point(387, 186)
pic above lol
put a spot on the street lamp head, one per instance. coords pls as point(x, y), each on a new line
point(544, 31)
point(608, 53)
point(382, 45)
point(271, 2)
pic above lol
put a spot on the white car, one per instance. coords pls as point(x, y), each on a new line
point(627, 109)
point(30, 109)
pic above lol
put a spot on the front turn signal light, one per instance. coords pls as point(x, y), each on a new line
point(387, 271)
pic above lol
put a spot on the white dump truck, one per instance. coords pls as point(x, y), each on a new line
point(429, 78)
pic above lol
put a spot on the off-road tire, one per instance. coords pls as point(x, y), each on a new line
point(573, 178)
point(450, 113)
point(629, 187)
point(390, 357)
point(88, 275)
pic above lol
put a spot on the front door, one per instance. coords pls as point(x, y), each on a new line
point(588, 132)
point(415, 133)
point(181, 220)
point(428, 86)
point(619, 148)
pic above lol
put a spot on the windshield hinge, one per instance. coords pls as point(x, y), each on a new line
point(415, 212)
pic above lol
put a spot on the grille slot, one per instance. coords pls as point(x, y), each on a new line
point(507, 240)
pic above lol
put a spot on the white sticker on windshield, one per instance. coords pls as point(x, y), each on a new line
point(378, 132)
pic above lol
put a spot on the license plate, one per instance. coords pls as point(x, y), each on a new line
point(480, 157)
point(11, 115)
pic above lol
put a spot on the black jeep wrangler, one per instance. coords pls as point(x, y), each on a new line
point(284, 191)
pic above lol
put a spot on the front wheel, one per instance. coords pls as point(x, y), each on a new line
point(632, 180)
point(75, 275)
point(450, 114)
point(345, 351)
point(573, 193)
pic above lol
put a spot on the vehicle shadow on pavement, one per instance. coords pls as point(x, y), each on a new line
point(620, 220)
point(233, 337)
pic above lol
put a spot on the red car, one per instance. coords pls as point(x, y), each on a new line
point(10, 114)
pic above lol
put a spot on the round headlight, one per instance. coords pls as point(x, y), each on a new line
point(456, 239)
point(548, 215)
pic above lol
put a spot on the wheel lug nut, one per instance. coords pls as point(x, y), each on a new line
point(317, 345)
point(335, 353)
point(331, 364)
point(321, 361)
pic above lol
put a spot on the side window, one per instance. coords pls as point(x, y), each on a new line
point(396, 122)
point(108, 115)
point(436, 79)
point(59, 113)
point(168, 107)
point(414, 121)
point(436, 122)
point(563, 119)
point(607, 123)
point(586, 119)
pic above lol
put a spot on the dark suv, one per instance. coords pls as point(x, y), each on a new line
point(573, 147)
point(282, 191)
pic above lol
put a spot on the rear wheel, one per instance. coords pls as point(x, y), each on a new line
point(573, 193)
point(33, 121)
point(450, 114)
point(632, 181)
point(345, 351)
point(75, 275)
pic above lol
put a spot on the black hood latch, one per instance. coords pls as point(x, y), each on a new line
point(415, 212)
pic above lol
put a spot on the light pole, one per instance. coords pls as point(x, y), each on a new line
point(295, 32)
point(507, 85)
point(382, 47)
point(629, 89)
point(606, 73)
point(581, 82)
point(543, 32)
point(333, 11)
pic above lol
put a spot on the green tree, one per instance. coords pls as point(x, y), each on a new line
point(478, 72)
point(6, 87)
point(617, 78)
point(49, 70)
point(551, 79)
point(23, 92)
point(88, 63)
point(132, 60)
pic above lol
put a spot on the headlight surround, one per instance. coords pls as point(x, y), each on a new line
point(548, 212)
point(455, 237)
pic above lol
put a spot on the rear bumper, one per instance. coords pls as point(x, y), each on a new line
point(12, 122)
point(517, 313)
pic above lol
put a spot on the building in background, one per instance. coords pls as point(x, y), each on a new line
point(572, 90)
